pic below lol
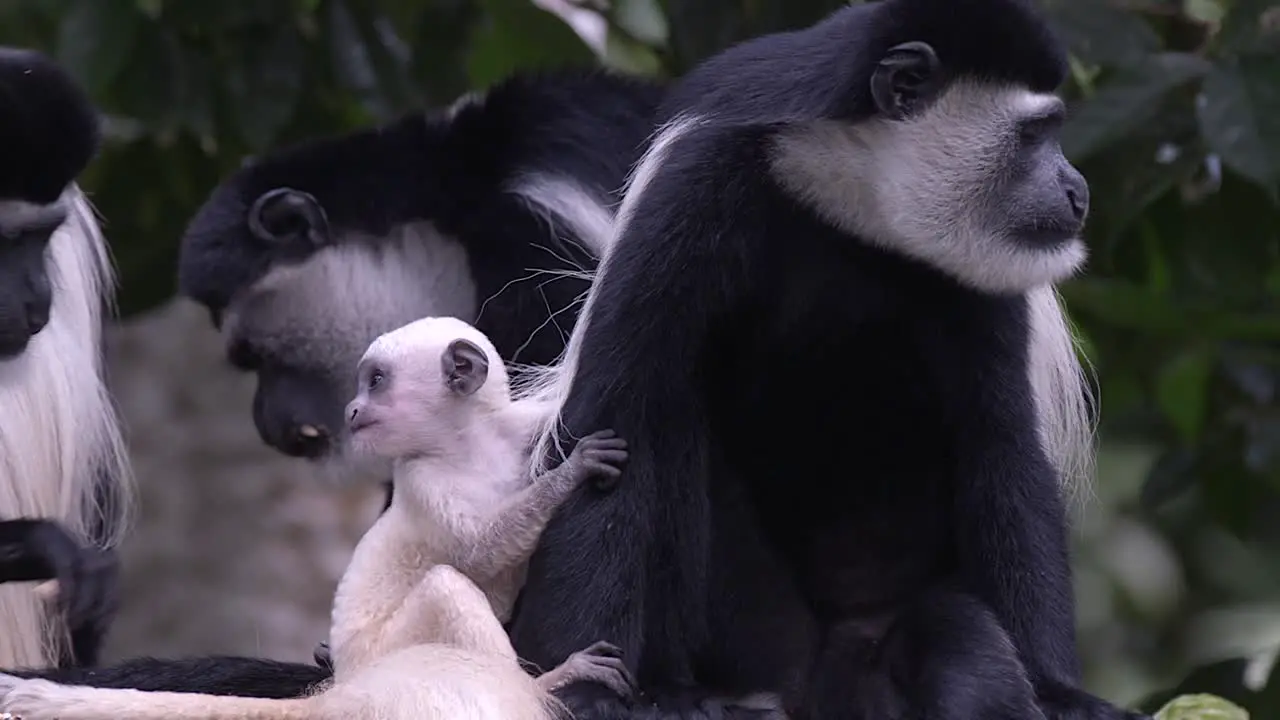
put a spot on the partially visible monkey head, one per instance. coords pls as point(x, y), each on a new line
point(929, 141)
point(303, 257)
point(48, 134)
point(418, 385)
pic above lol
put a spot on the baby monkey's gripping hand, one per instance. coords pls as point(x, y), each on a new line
point(599, 455)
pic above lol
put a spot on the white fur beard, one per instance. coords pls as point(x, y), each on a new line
point(59, 430)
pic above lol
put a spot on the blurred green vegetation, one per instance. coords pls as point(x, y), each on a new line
point(1175, 121)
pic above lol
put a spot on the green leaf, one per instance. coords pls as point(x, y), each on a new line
point(1128, 100)
point(440, 49)
point(1182, 392)
point(1240, 117)
point(1136, 171)
point(1124, 304)
point(1250, 26)
point(623, 53)
point(1204, 11)
point(1102, 33)
point(518, 35)
point(643, 20)
point(1201, 707)
point(1230, 242)
point(94, 40)
point(143, 228)
point(266, 82)
point(147, 89)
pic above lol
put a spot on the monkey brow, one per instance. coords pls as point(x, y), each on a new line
point(1053, 110)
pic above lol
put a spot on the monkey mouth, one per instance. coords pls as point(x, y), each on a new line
point(1048, 236)
point(359, 425)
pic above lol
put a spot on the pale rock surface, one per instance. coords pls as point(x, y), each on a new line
point(235, 548)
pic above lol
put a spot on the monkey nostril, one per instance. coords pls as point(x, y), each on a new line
point(1078, 204)
point(308, 440)
point(1077, 196)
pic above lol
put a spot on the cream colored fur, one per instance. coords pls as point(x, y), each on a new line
point(59, 428)
point(413, 638)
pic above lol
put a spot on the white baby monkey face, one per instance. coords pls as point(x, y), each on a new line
point(406, 401)
point(374, 415)
point(395, 411)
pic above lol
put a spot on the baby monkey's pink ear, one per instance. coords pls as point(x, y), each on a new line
point(465, 366)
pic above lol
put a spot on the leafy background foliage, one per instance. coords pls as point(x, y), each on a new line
point(1175, 121)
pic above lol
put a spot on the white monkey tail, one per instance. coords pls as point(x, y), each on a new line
point(422, 682)
point(36, 699)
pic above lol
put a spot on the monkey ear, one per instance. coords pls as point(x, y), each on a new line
point(285, 214)
point(465, 366)
point(906, 79)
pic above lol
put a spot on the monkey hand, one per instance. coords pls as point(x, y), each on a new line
point(1066, 703)
point(323, 657)
point(85, 576)
point(601, 663)
point(599, 455)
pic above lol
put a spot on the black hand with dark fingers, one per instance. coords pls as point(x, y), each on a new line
point(609, 657)
point(322, 656)
point(602, 453)
point(44, 550)
point(90, 599)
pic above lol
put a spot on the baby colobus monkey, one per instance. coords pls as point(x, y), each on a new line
point(416, 620)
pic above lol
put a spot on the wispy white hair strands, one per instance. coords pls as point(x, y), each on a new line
point(59, 428)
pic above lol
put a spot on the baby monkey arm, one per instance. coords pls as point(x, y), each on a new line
point(511, 536)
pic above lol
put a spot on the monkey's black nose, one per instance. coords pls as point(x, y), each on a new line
point(37, 317)
point(1079, 203)
point(1077, 190)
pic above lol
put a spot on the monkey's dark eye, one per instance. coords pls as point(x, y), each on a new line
point(1035, 130)
point(375, 379)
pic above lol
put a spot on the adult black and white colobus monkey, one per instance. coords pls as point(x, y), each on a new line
point(487, 211)
point(306, 255)
point(828, 329)
point(64, 471)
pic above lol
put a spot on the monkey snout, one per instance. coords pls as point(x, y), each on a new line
point(310, 441)
point(1077, 191)
point(37, 314)
point(354, 418)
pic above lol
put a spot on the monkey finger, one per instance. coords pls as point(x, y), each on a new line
point(616, 444)
point(597, 468)
point(600, 435)
point(622, 674)
point(91, 596)
point(603, 648)
point(613, 456)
